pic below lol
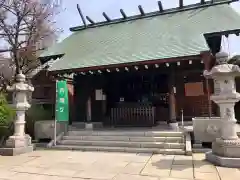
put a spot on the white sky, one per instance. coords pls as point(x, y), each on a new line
point(94, 8)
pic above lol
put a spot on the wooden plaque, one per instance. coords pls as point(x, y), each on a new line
point(194, 89)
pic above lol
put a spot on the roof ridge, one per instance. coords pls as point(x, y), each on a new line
point(155, 13)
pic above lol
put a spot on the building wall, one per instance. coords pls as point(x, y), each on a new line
point(45, 92)
point(192, 100)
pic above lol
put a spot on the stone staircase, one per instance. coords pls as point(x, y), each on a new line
point(135, 141)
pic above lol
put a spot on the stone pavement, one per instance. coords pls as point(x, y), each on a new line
point(75, 165)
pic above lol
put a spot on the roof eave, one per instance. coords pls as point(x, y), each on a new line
point(146, 62)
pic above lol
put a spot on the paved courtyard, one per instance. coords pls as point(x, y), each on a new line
point(74, 165)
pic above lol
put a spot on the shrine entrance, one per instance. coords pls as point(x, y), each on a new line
point(137, 99)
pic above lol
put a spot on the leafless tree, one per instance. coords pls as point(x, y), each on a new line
point(23, 25)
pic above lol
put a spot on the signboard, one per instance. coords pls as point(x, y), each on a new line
point(62, 108)
point(194, 89)
point(99, 94)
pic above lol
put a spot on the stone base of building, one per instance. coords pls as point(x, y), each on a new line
point(88, 126)
point(222, 161)
point(93, 125)
point(16, 151)
point(173, 126)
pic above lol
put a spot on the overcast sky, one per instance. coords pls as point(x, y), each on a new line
point(94, 8)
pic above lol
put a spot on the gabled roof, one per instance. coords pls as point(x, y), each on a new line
point(164, 36)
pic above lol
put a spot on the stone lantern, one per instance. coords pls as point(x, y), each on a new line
point(19, 142)
point(226, 148)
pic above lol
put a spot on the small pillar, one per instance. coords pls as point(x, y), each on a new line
point(88, 124)
point(19, 142)
point(226, 148)
point(172, 103)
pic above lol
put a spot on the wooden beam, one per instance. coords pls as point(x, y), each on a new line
point(160, 6)
point(106, 16)
point(90, 20)
point(209, 99)
point(123, 14)
point(81, 15)
point(180, 3)
point(141, 10)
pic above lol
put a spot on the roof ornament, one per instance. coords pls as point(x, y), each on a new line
point(90, 20)
point(123, 14)
point(182, 7)
point(106, 17)
point(180, 3)
point(141, 10)
point(160, 6)
point(81, 15)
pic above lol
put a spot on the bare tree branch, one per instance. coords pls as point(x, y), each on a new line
point(23, 25)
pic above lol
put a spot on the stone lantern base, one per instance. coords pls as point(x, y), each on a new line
point(225, 153)
point(16, 145)
point(16, 151)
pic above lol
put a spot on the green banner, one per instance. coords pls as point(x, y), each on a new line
point(62, 108)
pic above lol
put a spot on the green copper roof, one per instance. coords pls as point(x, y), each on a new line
point(158, 37)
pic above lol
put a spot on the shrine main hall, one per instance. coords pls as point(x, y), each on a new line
point(146, 69)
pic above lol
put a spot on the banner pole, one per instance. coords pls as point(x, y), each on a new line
point(55, 119)
point(55, 132)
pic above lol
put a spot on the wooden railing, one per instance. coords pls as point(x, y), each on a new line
point(129, 114)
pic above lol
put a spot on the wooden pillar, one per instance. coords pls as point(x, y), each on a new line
point(209, 62)
point(89, 110)
point(209, 100)
point(172, 98)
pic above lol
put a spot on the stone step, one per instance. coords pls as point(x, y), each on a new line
point(121, 149)
point(127, 133)
point(125, 138)
point(200, 150)
point(123, 144)
point(197, 146)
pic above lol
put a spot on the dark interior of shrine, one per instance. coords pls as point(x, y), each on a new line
point(133, 97)
point(137, 87)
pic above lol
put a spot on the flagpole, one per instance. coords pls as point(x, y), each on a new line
point(55, 119)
